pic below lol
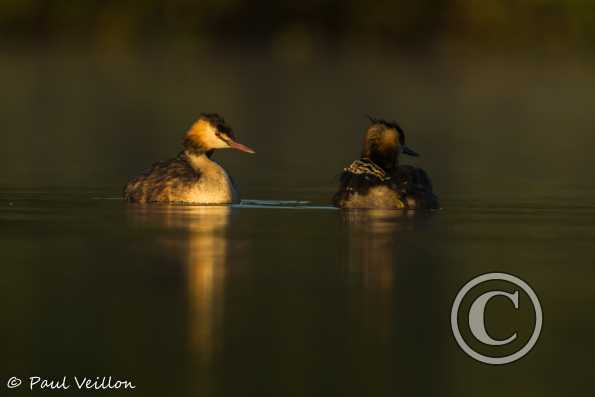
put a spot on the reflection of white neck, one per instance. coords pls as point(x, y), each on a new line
point(202, 247)
point(206, 258)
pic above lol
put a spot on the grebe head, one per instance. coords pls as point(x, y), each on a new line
point(384, 142)
point(211, 132)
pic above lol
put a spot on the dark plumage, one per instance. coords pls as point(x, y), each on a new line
point(219, 123)
point(158, 182)
point(377, 180)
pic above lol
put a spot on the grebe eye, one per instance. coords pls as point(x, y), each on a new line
point(223, 137)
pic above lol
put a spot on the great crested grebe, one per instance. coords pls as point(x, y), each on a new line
point(377, 180)
point(191, 177)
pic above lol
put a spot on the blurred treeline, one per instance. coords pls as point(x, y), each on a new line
point(399, 23)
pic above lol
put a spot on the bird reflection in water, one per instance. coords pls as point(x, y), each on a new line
point(372, 260)
point(197, 235)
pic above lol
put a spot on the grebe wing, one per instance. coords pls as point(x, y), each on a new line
point(415, 184)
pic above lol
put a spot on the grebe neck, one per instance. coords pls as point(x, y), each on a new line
point(388, 163)
point(199, 161)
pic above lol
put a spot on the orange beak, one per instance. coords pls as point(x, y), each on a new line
point(241, 148)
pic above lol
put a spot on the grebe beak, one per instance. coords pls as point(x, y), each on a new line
point(241, 148)
point(407, 150)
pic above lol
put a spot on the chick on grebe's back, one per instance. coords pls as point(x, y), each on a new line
point(376, 180)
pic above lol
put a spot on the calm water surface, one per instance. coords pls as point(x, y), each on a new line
point(304, 300)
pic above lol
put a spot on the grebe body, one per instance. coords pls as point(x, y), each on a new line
point(376, 180)
point(191, 177)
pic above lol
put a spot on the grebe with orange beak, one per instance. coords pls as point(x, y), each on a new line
point(191, 177)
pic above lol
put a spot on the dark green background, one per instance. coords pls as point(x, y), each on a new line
point(497, 96)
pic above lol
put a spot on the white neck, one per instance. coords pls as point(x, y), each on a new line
point(214, 185)
point(199, 161)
